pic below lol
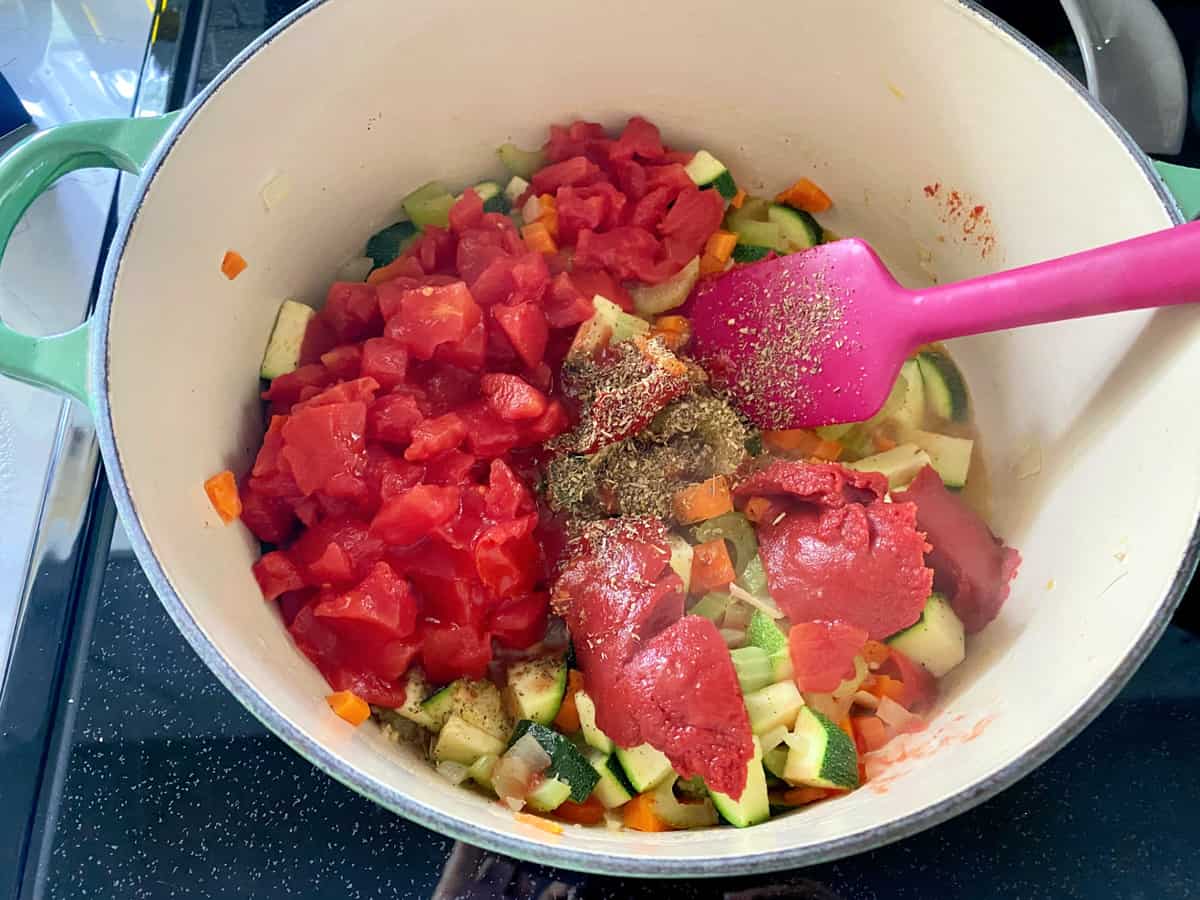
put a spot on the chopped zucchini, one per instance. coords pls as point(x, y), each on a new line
point(549, 795)
point(820, 754)
point(677, 814)
point(656, 299)
point(612, 790)
point(624, 326)
point(416, 689)
point(775, 761)
point(761, 234)
point(566, 762)
point(753, 209)
point(949, 456)
point(592, 735)
point(481, 770)
point(781, 664)
point(681, 559)
point(461, 742)
point(287, 337)
point(712, 606)
point(429, 205)
point(798, 229)
point(910, 413)
point(536, 688)
point(752, 806)
point(945, 388)
point(644, 766)
point(521, 162)
point(494, 199)
point(753, 668)
point(748, 253)
point(477, 702)
point(936, 640)
point(763, 632)
point(708, 171)
point(772, 706)
point(899, 465)
point(386, 244)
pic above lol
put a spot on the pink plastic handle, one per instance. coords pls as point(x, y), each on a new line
point(1159, 269)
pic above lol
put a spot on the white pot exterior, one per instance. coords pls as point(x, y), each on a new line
point(882, 101)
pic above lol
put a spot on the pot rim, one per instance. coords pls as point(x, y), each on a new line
point(528, 849)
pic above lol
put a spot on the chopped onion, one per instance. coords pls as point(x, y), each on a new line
point(894, 715)
point(733, 637)
point(532, 210)
point(773, 738)
point(867, 699)
point(455, 773)
point(355, 269)
point(275, 191)
point(767, 606)
point(517, 769)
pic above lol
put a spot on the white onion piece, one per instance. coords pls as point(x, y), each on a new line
point(355, 269)
point(532, 210)
point(894, 715)
point(517, 769)
point(768, 607)
point(863, 698)
point(455, 773)
point(733, 637)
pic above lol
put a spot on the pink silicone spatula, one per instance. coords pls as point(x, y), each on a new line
point(818, 337)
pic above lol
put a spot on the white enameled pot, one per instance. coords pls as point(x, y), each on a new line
point(948, 142)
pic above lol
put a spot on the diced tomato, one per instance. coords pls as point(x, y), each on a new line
point(506, 556)
point(360, 390)
point(489, 436)
point(433, 436)
point(640, 138)
point(593, 281)
point(393, 417)
point(469, 353)
point(435, 250)
point(381, 607)
point(451, 467)
point(920, 688)
point(574, 171)
point(351, 311)
point(455, 651)
point(530, 278)
point(626, 252)
point(388, 475)
point(318, 339)
point(596, 207)
point(672, 176)
point(648, 212)
point(285, 389)
point(565, 305)
point(277, 574)
point(361, 547)
point(333, 566)
point(823, 653)
point(525, 327)
point(507, 496)
point(477, 250)
point(385, 360)
point(267, 460)
point(467, 212)
point(431, 316)
point(512, 398)
point(320, 442)
point(520, 622)
point(553, 422)
point(269, 519)
point(690, 222)
point(410, 516)
point(343, 362)
point(579, 138)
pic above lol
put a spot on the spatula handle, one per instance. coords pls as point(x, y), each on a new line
point(1159, 269)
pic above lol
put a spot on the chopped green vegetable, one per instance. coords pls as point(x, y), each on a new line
point(566, 762)
point(429, 205)
point(387, 244)
point(520, 162)
point(737, 530)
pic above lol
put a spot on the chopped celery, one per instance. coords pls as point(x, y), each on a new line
point(521, 162)
point(735, 528)
point(712, 606)
point(429, 205)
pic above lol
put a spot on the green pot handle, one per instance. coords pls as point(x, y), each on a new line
point(60, 362)
point(1184, 184)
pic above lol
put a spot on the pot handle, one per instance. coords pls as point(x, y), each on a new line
point(60, 362)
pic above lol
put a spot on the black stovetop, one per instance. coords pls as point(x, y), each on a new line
point(153, 782)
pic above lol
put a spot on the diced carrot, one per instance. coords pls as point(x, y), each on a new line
point(549, 214)
point(349, 706)
point(703, 500)
point(640, 815)
point(397, 266)
point(875, 652)
point(538, 822)
point(847, 727)
point(804, 795)
point(869, 732)
point(757, 509)
point(537, 238)
point(233, 264)
point(885, 686)
point(589, 812)
point(712, 569)
point(674, 331)
point(710, 265)
point(738, 199)
point(720, 245)
point(568, 714)
point(223, 495)
point(882, 442)
point(802, 442)
point(806, 196)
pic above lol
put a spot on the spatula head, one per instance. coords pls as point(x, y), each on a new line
point(813, 338)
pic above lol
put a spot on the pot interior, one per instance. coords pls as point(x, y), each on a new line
point(947, 144)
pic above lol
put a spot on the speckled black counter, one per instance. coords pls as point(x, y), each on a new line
point(173, 790)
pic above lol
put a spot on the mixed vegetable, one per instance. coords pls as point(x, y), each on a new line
point(506, 515)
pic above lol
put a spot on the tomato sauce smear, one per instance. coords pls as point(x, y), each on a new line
point(393, 484)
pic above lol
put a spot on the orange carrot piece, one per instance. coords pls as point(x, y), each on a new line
point(223, 495)
point(806, 196)
point(549, 215)
point(703, 500)
point(674, 331)
point(886, 686)
point(802, 442)
point(537, 238)
point(720, 245)
point(757, 509)
point(847, 727)
point(710, 265)
point(568, 714)
point(882, 442)
point(640, 815)
point(712, 569)
point(538, 822)
point(803, 795)
point(870, 733)
point(875, 652)
point(391, 270)
point(233, 264)
point(349, 706)
point(738, 199)
point(589, 812)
